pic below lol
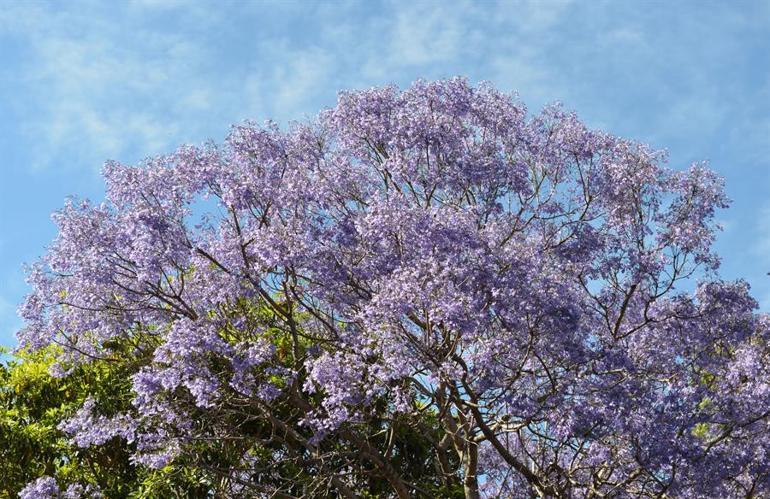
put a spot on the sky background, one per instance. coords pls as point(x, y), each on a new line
point(82, 82)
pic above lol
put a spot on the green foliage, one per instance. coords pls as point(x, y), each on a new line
point(32, 405)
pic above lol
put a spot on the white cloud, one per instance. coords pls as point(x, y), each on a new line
point(299, 81)
point(112, 86)
point(97, 90)
point(424, 33)
point(106, 85)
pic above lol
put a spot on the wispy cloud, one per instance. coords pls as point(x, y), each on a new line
point(421, 34)
point(110, 84)
point(97, 88)
point(98, 84)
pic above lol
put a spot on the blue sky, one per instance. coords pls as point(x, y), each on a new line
point(82, 82)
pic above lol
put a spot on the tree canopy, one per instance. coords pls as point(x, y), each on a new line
point(419, 293)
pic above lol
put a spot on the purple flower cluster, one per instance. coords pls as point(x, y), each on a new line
point(523, 277)
point(87, 429)
point(45, 487)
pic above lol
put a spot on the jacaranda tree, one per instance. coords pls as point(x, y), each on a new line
point(421, 293)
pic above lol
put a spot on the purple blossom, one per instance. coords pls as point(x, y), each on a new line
point(87, 428)
point(432, 250)
point(43, 488)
